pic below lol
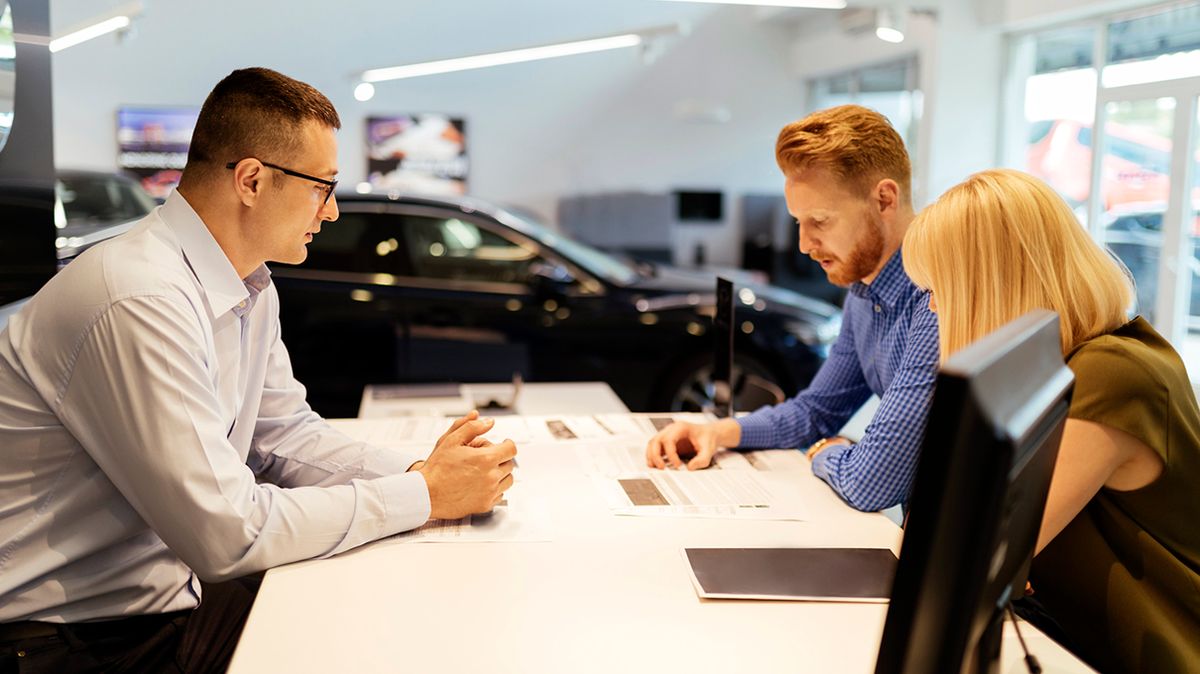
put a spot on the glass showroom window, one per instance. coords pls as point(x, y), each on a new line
point(1128, 86)
point(1052, 137)
point(8, 55)
point(1052, 113)
point(890, 88)
point(1154, 46)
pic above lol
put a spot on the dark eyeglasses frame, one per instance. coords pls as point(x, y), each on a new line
point(331, 184)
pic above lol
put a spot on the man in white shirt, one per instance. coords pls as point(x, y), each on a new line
point(152, 435)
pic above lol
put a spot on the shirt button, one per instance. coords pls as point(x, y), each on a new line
point(242, 305)
point(878, 308)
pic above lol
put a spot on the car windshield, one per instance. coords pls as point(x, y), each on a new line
point(102, 199)
point(595, 261)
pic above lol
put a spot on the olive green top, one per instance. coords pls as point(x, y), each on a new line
point(1123, 578)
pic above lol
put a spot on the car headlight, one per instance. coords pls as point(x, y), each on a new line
point(817, 334)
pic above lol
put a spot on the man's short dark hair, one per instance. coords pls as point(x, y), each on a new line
point(254, 112)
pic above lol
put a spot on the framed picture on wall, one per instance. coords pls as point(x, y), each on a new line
point(152, 145)
point(422, 153)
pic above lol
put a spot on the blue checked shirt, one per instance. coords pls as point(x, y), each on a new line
point(888, 346)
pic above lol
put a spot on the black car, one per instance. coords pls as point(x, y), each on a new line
point(89, 205)
point(1134, 233)
point(427, 289)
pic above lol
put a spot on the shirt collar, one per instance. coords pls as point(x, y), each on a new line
point(213, 270)
point(889, 286)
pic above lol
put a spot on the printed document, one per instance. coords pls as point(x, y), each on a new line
point(739, 494)
point(617, 458)
point(515, 519)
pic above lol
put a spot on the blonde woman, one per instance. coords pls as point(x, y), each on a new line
point(1118, 562)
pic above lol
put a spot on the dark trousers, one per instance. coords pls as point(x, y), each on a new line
point(185, 641)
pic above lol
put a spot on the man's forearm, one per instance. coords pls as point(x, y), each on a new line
point(729, 433)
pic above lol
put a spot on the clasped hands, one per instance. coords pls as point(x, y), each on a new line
point(467, 473)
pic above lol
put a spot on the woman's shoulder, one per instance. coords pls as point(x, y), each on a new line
point(1132, 355)
point(1125, 379)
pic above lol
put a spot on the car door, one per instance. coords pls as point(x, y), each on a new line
point(341, 311)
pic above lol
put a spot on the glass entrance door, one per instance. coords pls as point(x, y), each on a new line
point(1143, 199)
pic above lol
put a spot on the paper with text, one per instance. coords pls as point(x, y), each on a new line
point(623, 457)
point(424, 431)
point(612, 459)
point(516, 519)
point(739, 494)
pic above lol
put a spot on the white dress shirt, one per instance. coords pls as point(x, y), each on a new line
point(151, 431)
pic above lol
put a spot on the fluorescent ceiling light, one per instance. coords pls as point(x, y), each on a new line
point(513, 56)
point(93, 31)
point(805, 4)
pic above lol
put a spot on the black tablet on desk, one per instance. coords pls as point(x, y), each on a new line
point(795, 574)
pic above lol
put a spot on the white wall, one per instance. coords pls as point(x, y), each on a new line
point(822, 48)
point(636, 140)
point(964, 102)
point(535, 131)
point(959, 61)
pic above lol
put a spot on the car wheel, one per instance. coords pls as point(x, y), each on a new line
point(690, 387)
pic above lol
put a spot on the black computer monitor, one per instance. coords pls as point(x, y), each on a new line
point(722, 369)
point(977, 501)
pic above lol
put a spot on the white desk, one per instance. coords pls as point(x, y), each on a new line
point(587, 397)
point(609, 594)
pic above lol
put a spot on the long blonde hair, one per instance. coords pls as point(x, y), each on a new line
point(1002, 243)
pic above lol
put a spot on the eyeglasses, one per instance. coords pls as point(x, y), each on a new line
point(330, 185)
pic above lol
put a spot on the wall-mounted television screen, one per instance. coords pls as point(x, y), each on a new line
point(699, 207)
point(422, 153)
point(152, 145)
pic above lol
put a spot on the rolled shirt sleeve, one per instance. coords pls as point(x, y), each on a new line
point(877, 472)
point(888, 346)
point(818, 411)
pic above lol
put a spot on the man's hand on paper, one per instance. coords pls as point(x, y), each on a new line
point(466, 473)
point(671, 445)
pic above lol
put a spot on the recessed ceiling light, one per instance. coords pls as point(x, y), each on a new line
point(365, 91)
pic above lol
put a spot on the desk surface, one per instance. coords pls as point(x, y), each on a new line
point(608, 594)
point(587, 397)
